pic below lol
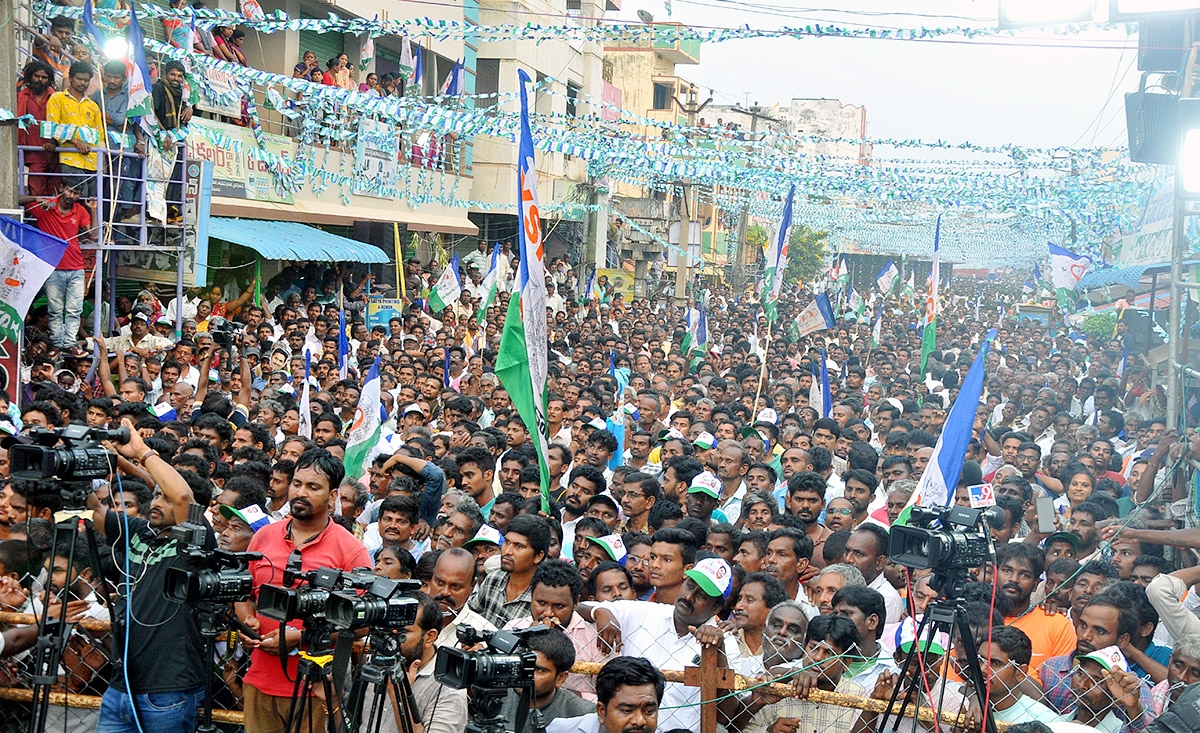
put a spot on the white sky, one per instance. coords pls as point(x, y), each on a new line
point(970, 91)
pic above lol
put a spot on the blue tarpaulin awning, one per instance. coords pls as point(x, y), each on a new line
point(287, 240)
point(1130, 276)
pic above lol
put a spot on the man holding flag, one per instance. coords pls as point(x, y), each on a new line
point(929, 320)
point(522, 362)
point(448, 287)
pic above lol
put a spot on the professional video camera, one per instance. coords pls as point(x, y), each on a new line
point(210, 576)
point(283, 603)
point(960, 540)
point(224, 332)
point(37, 455)
point(508, 662)
point(384, 602)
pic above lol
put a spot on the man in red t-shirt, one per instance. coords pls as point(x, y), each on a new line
point(64, 217)
point(37, 86)
point(321, 543)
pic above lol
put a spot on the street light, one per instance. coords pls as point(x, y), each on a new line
point(1188, 168)
point(1016, 14)
point(1121, 11)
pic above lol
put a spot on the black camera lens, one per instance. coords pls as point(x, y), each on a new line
point(187, 586)
point(352, 611)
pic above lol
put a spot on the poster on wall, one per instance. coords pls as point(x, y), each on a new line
point(374, 159)
point(623, 282)
point(220, 92)
point(158, 264)
point(382, 310)
point(240, 175)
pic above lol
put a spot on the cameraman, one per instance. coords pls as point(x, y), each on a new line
point(163, 661)
point(321, 543)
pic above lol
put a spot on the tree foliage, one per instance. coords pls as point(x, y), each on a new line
point(806, 254)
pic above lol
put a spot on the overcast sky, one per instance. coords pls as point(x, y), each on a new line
point(970, 91)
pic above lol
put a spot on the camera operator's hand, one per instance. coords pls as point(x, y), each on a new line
point(270, 640)
point(254, 625)
point(136, 447)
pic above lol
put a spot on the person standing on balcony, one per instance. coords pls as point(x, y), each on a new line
point(72, 107)
point(38, 78)
point(172, 111)
point(121, 173)
point(67, 219)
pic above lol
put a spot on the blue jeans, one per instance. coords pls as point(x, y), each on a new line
point(64, 293)
point(158, 711)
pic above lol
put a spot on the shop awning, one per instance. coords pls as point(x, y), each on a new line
point(315, 212)
point(287, 240)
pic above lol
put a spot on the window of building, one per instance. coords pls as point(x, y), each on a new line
point(487, 81)
point(662, 95)
point(574, 91)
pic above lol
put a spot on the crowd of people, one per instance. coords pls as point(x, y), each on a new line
point(697, 501)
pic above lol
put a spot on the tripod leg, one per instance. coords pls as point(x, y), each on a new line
point(978, 681)
point(908, 660)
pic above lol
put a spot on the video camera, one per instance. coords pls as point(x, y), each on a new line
point(960, 540)
point(81, 457)
point(384, 602)
point(508, 662)
point(224, 331)
point(284, 603)
point(210, 576)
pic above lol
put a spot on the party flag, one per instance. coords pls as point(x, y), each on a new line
point(777, 259)
point(1066, 270)
point(490, 284)
point(453, 86)
point(365, 426)
point(28, 257)
point(929, 321)
point(414, 78)
point(817, 315)
point(910, 287)
point(522, 362)
point(343, 347)
point(819, 396)
point(89, 26)
point(855, 301)
point(886, 279)
point(163, 411)
point(877, 329)
point(138, 72)
point(448, 287)
point(1124, 359)
point(937, 484)
point(304, 430)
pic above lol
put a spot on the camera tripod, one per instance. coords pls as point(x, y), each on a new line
point(382, 670)
point(54, 633)
point(315, 666)
point(946, 614)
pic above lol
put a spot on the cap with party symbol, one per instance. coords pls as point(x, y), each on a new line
point(706, 483)
point(253, 515)
point(487, 534)
point(713, 575)
point(613, 545)
point(1110, 657)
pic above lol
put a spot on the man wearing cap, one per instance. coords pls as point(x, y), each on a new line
point(140, 340)
point(671, 637)
point(703, 495)
point(1103, 685)
point(485, 544)
point(240, 525)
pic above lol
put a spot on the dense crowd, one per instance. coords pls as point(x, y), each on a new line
point(696, 499)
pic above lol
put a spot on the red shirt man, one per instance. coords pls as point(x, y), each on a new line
point(63, 217)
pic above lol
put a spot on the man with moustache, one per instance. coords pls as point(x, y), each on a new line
point(1018, 570)
point(321, 543)
point(38, 78)
point(806, 500)
point(441, 708)
point(451, 585)
point(671, 636)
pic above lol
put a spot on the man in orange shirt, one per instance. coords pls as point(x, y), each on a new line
point(1018, 569)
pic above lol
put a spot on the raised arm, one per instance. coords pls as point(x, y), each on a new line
point(106, 382)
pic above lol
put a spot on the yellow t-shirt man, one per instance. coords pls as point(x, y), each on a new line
point(67, 110)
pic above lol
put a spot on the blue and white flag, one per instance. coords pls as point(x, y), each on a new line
point(163, 411)
point(1066, 270)
point(489, 285)
point(453, 86)
point(28, 257)
point(817, 315)
point(137, 71)
point(1124, 359)
point(777, 259)
point(937, 484)
point(414, 78)
point(89, 26)
point(448, 287)
point(819, 396)
point(343, 347)
point(365, 426)
point(304, 430)
point(589, 293)
point(887, 277)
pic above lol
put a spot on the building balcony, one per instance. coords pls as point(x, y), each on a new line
point(679, 51)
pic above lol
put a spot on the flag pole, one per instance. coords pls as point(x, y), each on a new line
point(762, 374)
point(399, 259)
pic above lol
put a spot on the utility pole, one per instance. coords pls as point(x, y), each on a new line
point(685, 202)
point(743, 248)
point(1176, 354)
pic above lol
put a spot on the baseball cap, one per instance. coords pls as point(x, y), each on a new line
point(706, 483)
point(713, 575)
point(140, 316)
point(1069, 537)
point(414, 407)
point(164, 321)
point(705, 440)
point(487, 534)
point(906, 636)
point(598, 424)
point(252, 515)
point(767, 415)
point(1110, 657)
point(604, 498)
point(613, 545)
point(671, 434)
